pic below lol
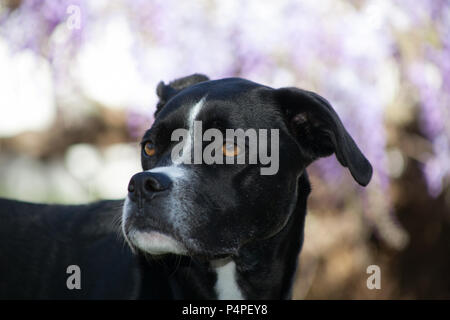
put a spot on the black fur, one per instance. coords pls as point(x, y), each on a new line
point(256, 221)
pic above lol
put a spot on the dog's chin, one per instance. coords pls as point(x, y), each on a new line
point(151, 239)
point(154, 242)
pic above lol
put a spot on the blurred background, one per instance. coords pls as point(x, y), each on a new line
point(77, 90)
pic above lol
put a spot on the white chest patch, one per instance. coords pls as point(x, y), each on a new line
point(226, 286)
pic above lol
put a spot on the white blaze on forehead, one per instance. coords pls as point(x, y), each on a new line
point(193, 113)
point(172, 172)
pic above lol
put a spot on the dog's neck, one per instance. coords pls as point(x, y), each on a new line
point(266, 269)
point(262, 269)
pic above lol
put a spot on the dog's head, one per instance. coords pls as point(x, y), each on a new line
point(190, 199)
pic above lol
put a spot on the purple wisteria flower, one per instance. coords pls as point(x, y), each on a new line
point(30, 25)
point(430, 74)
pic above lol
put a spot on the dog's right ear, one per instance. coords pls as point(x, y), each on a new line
point(167, 91)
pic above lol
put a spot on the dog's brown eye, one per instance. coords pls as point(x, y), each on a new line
point(230, 149)
point(149, 149)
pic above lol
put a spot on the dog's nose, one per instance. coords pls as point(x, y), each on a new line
point(146, 184)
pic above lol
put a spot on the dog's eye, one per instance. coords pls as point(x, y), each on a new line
point(230, 149)
point(149, 149)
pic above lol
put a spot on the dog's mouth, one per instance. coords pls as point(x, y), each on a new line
point(155, 242)
point(150, 238)
point(148, 235)
point(158, 243)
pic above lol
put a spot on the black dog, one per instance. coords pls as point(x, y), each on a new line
point(197, 230)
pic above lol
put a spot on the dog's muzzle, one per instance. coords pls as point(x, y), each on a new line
point(142, 189)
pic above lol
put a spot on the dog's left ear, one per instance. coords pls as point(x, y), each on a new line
point(167, 91)
point(320, 132)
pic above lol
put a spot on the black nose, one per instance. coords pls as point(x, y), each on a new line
point(147, 184)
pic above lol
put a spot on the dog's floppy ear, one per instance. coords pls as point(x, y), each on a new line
point(320, 132)
point(167, 91)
